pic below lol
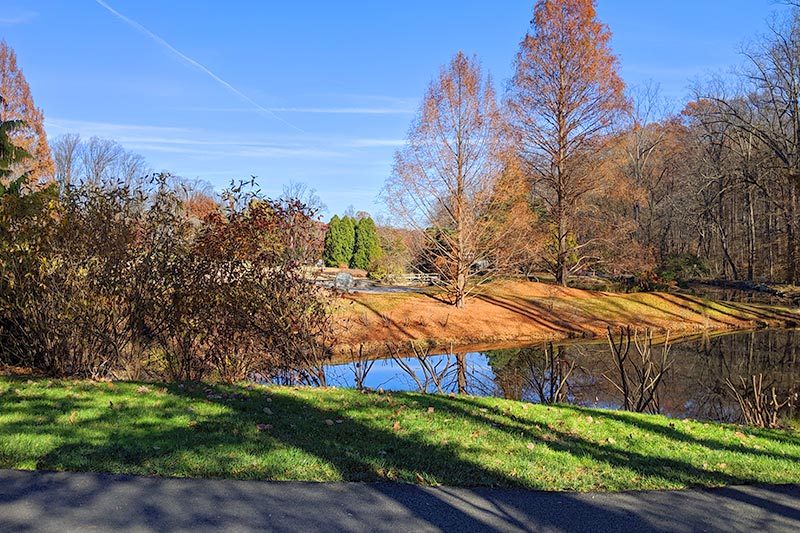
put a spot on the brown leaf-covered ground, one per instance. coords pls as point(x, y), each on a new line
point(517, 311)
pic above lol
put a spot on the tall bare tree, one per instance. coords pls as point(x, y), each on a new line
point(443, 180)
point(565, 97)
point(770, 113)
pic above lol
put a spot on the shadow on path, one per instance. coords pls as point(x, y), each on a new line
point(79, 501)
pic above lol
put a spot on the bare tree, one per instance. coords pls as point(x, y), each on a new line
point(639, 377)
point(443, 180)
point(769, 111)
point(305, 193)
point(101, 162)
point(66, 154)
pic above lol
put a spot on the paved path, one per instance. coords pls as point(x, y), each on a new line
point(39, 501)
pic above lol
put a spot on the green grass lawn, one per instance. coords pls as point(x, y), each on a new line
point(283, 433)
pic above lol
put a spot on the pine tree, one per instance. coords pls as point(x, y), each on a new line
point(17, 106)
point(348, 240)
point(10, 155)
point(339, 241)
point(367, 244)
point(330, 251)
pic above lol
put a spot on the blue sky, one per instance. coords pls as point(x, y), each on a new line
point(314, 91)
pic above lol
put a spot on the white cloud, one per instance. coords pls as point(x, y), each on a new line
point(315, 110)
point(377, 143)
point(210, 144)
point(20, 18)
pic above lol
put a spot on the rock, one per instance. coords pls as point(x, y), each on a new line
point(343, 281)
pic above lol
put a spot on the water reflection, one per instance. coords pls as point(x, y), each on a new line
point(698, 383)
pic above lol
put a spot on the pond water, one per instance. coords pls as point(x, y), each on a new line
point(700, 381)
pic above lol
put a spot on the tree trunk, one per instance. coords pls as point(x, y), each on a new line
point(461, 288)
point(791, 235)
point(461, 365)
point(751, 235)
point(561, 271)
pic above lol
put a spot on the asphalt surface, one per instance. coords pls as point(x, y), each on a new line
point(41, 501)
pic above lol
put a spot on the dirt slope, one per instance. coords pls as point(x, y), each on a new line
point(526, 311)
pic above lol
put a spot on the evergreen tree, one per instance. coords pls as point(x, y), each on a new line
point(11, 155)
point(348, 240)
point(330, 251)
point(339, 241)
point(367, 246)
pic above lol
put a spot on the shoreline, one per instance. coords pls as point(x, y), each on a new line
point(514, 313)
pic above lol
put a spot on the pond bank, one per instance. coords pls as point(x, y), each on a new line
point(307, 434)
point(529, 312)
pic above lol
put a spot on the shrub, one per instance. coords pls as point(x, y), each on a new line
point(119, 280)
point(683, 266)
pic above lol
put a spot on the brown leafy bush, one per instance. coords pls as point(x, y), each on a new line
point(121, 280)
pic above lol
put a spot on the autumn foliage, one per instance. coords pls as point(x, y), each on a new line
point(16, 103)
point(123, 282)
point(566, 95)
point(443, 181)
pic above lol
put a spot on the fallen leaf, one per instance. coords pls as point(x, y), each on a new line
point(530, 446)
point(430, 409)
point(589, 419)
point(396, 426)
point(328, 422)
point(267, 411)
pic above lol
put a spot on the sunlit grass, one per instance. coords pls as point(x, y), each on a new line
point(338, 434)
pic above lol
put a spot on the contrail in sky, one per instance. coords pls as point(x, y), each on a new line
point(186, 59)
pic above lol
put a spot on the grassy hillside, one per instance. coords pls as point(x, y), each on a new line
point(330, 434)
point(527, 311)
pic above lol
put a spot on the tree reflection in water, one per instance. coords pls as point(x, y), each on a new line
point(694, 387)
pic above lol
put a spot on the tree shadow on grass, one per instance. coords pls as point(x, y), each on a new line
point(679, 468)
point(356, 452)
point(227, 444)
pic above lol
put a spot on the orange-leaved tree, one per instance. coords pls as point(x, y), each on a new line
point(16, 104)
point(565, 97)
point(443, 181)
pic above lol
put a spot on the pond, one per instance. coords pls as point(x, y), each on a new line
point(706, 377)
